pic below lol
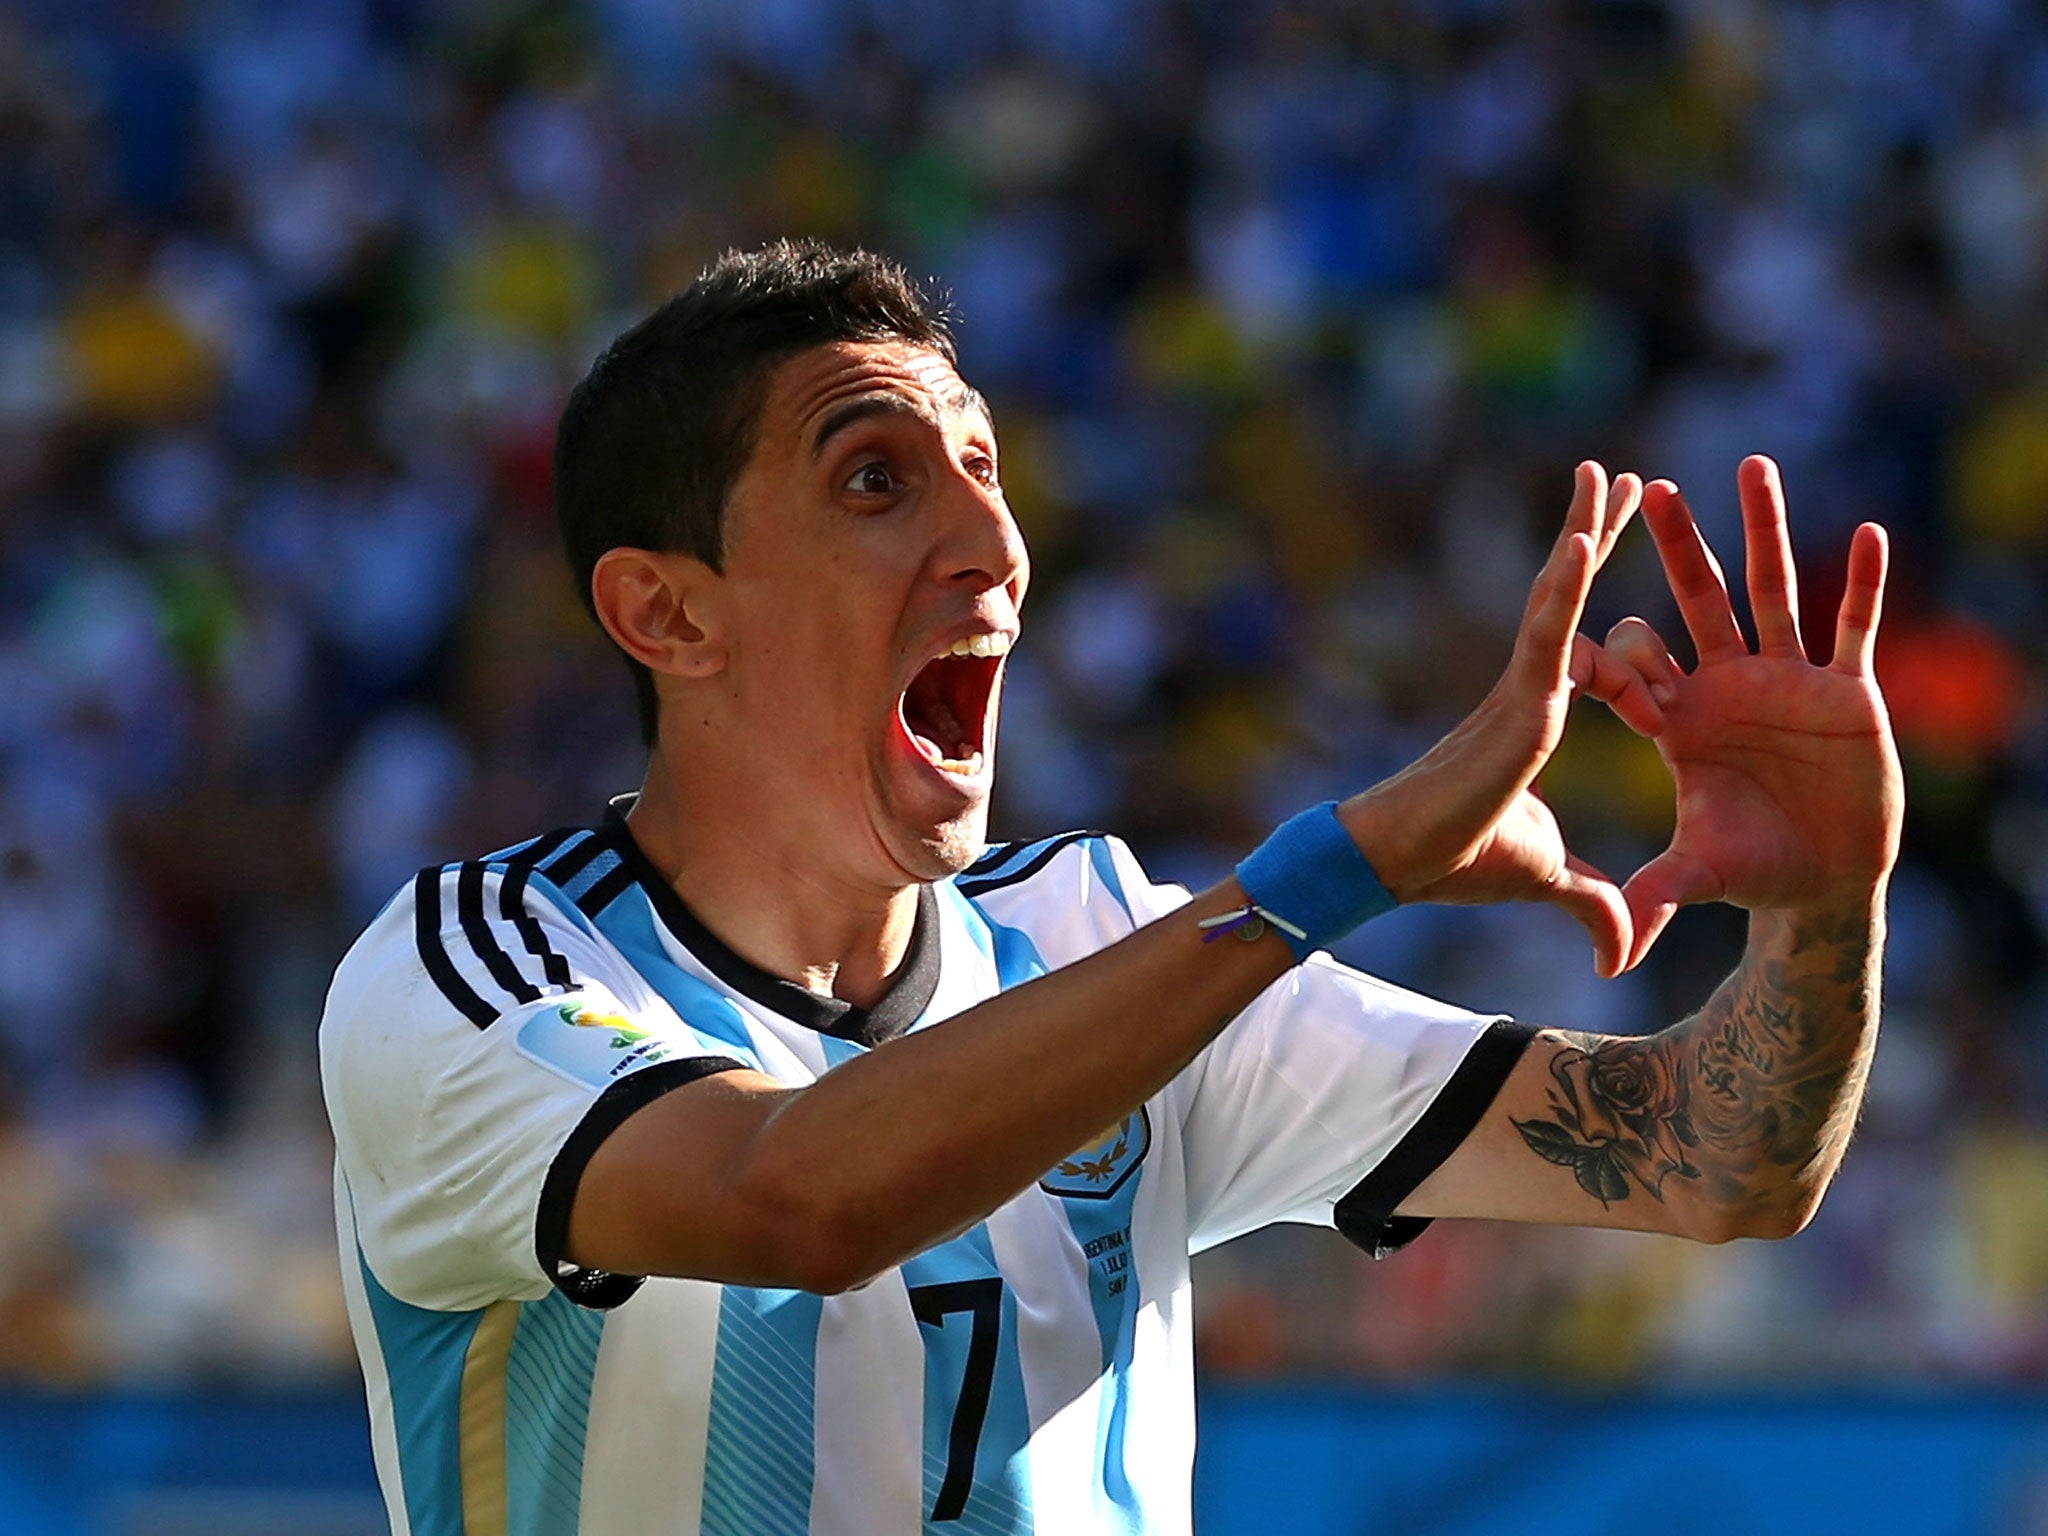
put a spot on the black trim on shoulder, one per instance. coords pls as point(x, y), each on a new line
point(512, 905)
point(533, 849)
point(568, 864)
point(608, 888)
point(426, 928)
point(893, 1013)
point(469, 909)
point(515, 868)
point(970, 885)
point(1366, 1215)
point(535, 852)
point(993, 857)
point(596, 1288)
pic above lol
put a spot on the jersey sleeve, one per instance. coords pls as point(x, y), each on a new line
point(479, 1042)
point(1072, 894)
point(1329, 1100)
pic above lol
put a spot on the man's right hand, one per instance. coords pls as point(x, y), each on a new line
point(1462, 824)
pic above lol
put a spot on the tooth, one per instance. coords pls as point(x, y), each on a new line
point(985, 645)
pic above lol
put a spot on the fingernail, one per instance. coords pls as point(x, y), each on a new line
point(1664, 694)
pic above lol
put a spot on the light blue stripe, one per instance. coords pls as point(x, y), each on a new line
point(423, 1354)
point(760, 1449)
point(1105, 871)
point(513, 852)
point(771, 1378)
point(999, 1503)
point(561, 901)
point(1116, 1320)
point(970, 918)
point(1016, 857)
point(590, 874)
point(629, 924)
point(838, 1051)
point(1017, 958)
point(548, 1380)
point(1116, 1312)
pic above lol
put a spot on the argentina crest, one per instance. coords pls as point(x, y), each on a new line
point(1101, 1166)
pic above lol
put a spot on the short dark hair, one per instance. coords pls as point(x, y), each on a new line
point(654, 436)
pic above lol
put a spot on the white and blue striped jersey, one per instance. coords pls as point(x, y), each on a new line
point(1032, 1375)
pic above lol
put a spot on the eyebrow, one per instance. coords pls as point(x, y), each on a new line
point(884, 403)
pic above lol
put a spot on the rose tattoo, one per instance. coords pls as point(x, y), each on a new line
point(1620, 1116)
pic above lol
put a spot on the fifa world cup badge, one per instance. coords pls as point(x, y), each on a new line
point(594, 1045)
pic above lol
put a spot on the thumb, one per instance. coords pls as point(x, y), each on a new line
point(1657, 890)
point(1598, 906)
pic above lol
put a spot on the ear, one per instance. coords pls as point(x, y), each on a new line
point(661, 609)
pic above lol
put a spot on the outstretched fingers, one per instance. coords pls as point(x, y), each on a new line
point(1862, 602)
point(1767, 548)
point(1543, 652)
point(1693, 574)
point(1599, 511)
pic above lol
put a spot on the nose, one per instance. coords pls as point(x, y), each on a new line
point(983, 548)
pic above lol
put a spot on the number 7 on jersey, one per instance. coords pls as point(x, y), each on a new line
point(931, 1305)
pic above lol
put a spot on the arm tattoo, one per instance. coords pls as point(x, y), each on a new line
point(1750, 1100)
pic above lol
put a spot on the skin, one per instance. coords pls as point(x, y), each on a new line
point(782, 791)
point(783, 797)
point(1790, 802)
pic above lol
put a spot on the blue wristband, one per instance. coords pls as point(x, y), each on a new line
point(1310, 873)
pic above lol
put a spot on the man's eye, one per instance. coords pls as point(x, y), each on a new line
point(983, 469)
point(873, 480)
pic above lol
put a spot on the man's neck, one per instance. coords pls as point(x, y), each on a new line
point(771, 906)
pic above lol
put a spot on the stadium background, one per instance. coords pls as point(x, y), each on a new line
point(1295, 315)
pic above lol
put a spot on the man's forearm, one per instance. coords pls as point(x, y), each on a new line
point(898, 1148)
point(1740, 1113)
point(1778, 1061)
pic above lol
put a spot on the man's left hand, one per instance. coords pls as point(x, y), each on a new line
point(1788, 783)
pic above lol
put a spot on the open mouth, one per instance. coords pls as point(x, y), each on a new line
point(945, 708)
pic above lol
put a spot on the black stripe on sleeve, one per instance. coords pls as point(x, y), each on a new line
point(526, 850)
point(992, 860)
point(570, 862)
point(597, 1288)
point(1366, 1215)
point(483, 941)
point(1031, 866)
point(609, 887)
point(426, 921)
point(512, 903)
point(536, 852)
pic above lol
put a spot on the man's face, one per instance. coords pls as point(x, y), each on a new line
point(872, 579)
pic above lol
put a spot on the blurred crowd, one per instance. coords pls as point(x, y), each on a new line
point(1296, 315)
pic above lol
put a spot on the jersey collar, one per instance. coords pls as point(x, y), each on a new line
point(909, 994)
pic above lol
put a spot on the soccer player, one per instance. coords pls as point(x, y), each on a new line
point(771, 1157)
